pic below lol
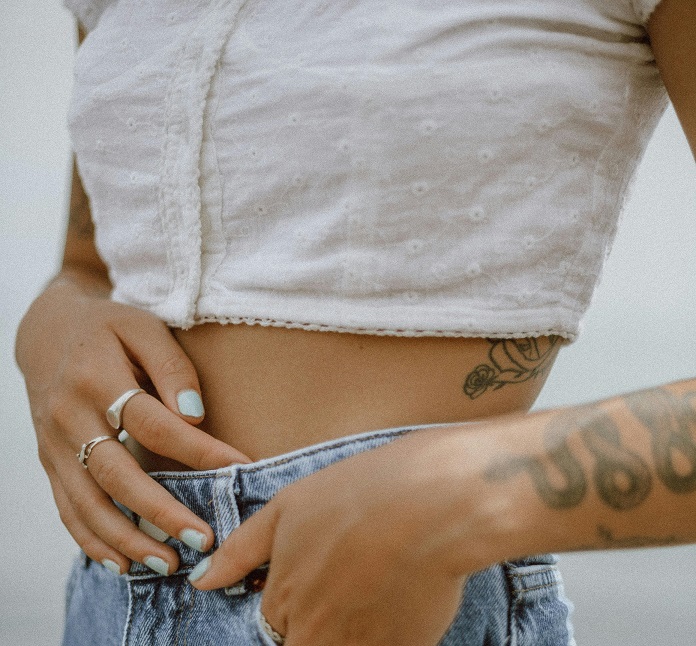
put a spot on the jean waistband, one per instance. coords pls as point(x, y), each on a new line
point(225, 497)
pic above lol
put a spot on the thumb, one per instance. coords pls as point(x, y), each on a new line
point(245, 549)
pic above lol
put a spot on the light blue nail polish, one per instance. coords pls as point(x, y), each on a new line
point(112, 566)
point(200, 569)
point(157, 564)
point(190, 403)
point(152, 530)
point(193, 539)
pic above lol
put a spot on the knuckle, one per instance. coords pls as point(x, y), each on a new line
point(107, 473)
point(161, 518)
point(81, 372)
point(206, 452)
point(66, 515)
point(78, 377)
point(175, 365)
point(153, 431)
point(120, 314)
point(122, 542)
point(57, 410)
point(83, 381)
point(201, 455)
point(92, 548)
point(43, 454)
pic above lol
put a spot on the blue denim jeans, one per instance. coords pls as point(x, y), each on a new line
point(517, 603)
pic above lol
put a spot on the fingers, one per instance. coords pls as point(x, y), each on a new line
point(118, 474)
point(154, 426)
point(90, 543)
point(245, 549)
point(157, 352)
point(102, 350)
point(112, 472)
point(104, 532)
point(86, 505)
point(153, 423)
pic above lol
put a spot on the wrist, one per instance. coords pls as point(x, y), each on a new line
point(478, 523)
point(58, 301)
point(492, 519)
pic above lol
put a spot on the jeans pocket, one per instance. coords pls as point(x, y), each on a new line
point(539, 609)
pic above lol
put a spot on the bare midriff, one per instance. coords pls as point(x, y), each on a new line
point(269, 390)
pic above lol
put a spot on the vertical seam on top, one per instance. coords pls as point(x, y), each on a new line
point(179, 197)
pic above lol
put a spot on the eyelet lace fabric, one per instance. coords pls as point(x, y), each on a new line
point(409, 169)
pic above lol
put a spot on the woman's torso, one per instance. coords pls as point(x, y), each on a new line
point(267, 391)
point(457, 174)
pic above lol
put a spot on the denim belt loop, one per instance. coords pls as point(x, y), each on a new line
point(225, 492)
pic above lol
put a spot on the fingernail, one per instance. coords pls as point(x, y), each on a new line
point(193, 539)
point(199, 570)
point(190, 403)
point(111, 566)
point(152, 530)
point(157, 564)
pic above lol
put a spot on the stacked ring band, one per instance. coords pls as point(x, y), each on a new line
point(113, 413)
point(88, 446)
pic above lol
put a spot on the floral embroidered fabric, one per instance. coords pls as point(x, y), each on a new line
point(412, 168)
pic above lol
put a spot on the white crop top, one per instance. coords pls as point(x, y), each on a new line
point(410, 168)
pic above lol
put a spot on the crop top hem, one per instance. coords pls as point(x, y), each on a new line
point(378, 318)
point(320, 327)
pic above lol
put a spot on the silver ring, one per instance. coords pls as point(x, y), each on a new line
point(113, 413)
point(268, 629)
point(87, 447)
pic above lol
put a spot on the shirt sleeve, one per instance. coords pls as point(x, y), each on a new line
point(644, 9)
point(87, 12)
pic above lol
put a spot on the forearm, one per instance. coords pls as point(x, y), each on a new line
point(82, 266)
point(614, 474)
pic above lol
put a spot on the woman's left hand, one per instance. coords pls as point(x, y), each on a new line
point(361, 552)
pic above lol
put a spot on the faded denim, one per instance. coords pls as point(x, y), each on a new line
point(511, 604)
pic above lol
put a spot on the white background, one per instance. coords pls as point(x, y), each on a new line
point(639, 332)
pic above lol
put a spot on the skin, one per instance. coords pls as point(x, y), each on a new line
point(432, 515)
point(341, 383)
point(417, 515)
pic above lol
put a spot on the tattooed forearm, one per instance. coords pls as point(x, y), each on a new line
point(671, 421)
point(558, 457)
point(511, 361)
point(80, 220)
point(622, 479)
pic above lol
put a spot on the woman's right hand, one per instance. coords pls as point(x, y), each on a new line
point(78, 352)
